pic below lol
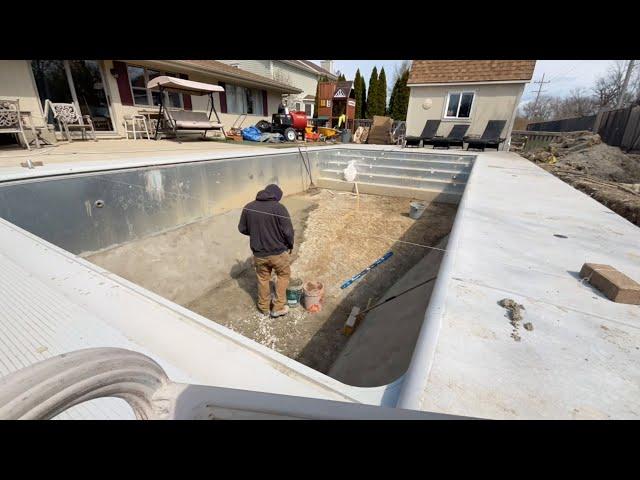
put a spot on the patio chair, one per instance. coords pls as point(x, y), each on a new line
point(454, 139)
point(11, 119)
point(183, 120)
point(490, 137)
point(428, 132)
point(68, 119)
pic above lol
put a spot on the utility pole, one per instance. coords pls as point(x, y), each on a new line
point(625, 84)
point(535, 104)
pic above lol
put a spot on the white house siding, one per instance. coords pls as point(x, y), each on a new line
point(16, 82)
point(282, 72)
point(259, 67)
point(491, 102)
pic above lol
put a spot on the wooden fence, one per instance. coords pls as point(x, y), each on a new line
point(620, 128)
point(565, 125)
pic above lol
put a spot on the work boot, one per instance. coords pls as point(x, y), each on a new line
point(280, 313)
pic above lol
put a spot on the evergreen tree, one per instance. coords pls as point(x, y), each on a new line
point(382, 92)
point(392, 99)
point(358, 93)
point(400, 98)
point(363, 98)
point(372, 95)
point(342, 78)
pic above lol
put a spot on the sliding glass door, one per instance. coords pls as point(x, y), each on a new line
point(80, 82)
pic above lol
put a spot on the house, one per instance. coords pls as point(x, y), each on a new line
point(466, 91)
point(107, 90)
point(302, 74)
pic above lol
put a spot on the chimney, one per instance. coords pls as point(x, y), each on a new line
point(327, 65)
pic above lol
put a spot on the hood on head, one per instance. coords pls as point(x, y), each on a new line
point(271, 192)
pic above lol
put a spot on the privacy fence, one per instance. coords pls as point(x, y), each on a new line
point(618, 128)
point(564, 125)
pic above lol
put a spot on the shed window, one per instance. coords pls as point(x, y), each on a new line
point(139, 77)
point(459, 104)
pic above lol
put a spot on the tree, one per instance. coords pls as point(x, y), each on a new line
point(358, 93)
point(382, 92)
point(363, 98)
point(342, 78)
point(608, 87)
point(399, 101)
point(372, 94)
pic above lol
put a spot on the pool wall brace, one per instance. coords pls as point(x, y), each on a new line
point(92, 211)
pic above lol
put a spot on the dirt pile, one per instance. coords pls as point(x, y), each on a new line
point(605, 173)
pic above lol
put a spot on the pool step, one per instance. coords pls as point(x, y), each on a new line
point(442, 192)
point(456, 162)
point(335, 170)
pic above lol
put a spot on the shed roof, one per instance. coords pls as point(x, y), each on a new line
point(462, 71)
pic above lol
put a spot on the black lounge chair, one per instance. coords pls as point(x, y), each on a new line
point(490, 137)
point(428, 132)
point(454, 139)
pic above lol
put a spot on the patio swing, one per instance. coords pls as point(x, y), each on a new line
point(185, 120)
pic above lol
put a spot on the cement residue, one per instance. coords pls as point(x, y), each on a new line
point(515, 314)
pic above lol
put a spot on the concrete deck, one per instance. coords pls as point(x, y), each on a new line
point(582, 360)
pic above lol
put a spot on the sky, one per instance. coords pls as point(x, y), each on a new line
point(564, 75)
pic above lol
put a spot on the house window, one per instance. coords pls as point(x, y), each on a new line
point(307, 109)
point(459, 104)
point(139, 77)
point(243, 100)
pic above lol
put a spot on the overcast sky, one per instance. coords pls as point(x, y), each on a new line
point(564, 75)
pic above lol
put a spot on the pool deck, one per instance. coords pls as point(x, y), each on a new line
point(582, 359)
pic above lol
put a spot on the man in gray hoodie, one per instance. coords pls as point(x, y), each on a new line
point(266, 221)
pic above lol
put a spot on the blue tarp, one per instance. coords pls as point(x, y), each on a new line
point(251, 133)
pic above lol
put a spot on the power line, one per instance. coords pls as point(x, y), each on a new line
point(540, 82)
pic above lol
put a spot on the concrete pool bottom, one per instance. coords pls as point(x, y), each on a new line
point(336, 236)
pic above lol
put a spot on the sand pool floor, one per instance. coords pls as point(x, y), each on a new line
point(337, 236)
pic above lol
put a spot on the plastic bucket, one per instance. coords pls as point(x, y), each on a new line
point(294, 293)
point(313, 296)
point(416, 209)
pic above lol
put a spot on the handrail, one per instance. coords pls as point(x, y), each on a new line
point(48, 388)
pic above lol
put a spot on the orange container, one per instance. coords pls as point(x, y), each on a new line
point(313, 296)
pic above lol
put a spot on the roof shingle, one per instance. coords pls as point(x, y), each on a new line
point(459, 71)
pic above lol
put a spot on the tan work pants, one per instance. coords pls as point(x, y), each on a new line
point(264, 266)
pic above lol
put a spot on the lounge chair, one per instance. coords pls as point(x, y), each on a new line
point(183, 120)
point(68, 119)
point(428, 132)
point(454, 139)
point(490, 137)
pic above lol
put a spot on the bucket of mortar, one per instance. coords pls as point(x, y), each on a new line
point(416, 209)
point(313, 296)
point(294, 292)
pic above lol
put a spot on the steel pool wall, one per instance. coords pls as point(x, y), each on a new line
point(93, 211)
